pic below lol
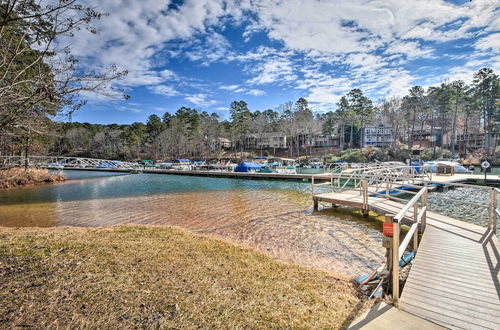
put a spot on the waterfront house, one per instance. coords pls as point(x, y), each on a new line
point(378, 136)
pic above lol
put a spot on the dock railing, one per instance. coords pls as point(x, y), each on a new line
point(388, 184)
point(369, 187)
point(419, 219)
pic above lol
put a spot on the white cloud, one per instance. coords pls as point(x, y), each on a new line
point(214, 48)
point(491, 41)
point(164, 90)
point(273, 70)
point(465, 72)
point(364, 25)
point(136, 30)
point(410, 49)
point(200, 100)
point(230, 87)
point(256, 92)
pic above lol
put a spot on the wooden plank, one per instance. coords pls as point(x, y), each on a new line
point(448, 276)
point(464, 310)
point(452, 263)
point(461, 287)
point(432, 293)
point(433, 266)
point(483, 307)
point(454, 258)
point(449, 320)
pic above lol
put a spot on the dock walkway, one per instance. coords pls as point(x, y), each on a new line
point(454, 280)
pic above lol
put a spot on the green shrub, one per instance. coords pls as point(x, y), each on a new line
point(439, 154)
point(399, 154)
point(375, 154)
point(352, 156)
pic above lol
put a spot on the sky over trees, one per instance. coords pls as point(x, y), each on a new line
point(207, 53)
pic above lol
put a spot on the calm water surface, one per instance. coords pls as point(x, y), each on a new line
point(272, 216)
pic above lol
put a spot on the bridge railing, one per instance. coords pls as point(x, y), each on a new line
point(64, 162)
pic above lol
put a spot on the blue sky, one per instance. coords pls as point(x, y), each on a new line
point(206, 53)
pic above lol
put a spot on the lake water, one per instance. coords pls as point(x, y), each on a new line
point(273, 216)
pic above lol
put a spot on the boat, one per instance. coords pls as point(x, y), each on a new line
point(261, 160)
point(199, 162)
point(432, 166)
point(282, 165)
point(146, 163)
point(165, 165)
point(315, 163)
point(248, 167)
point(229, 163)
point(181, 164)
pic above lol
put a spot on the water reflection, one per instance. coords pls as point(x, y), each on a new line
point(113, 186)
point(271, 216)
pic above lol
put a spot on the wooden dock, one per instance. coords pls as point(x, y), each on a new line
point(454, 280)
point(217, 174)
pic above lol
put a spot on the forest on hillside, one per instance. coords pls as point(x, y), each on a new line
point(454, 108)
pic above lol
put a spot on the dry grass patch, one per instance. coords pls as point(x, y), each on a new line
point(15, 177)
point(158, 277)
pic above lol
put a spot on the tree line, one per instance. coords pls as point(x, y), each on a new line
point(453, 108)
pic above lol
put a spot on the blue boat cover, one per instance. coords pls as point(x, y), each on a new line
point(247, 167)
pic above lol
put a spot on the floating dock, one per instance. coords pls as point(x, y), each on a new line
point(454, 280)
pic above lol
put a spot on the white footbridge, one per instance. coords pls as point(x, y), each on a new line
point(55, 162)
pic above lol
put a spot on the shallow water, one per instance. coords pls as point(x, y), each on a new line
point(272, 216)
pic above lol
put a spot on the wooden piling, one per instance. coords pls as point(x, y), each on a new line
point(388, 255)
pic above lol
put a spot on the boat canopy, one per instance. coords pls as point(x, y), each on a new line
point(247, 167)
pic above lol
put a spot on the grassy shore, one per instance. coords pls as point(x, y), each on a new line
point(16, 177)
point(150, 277)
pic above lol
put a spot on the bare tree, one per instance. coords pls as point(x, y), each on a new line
point(38, 79)
point(390, 115)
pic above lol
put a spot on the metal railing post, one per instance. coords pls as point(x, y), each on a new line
point(395, 262)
